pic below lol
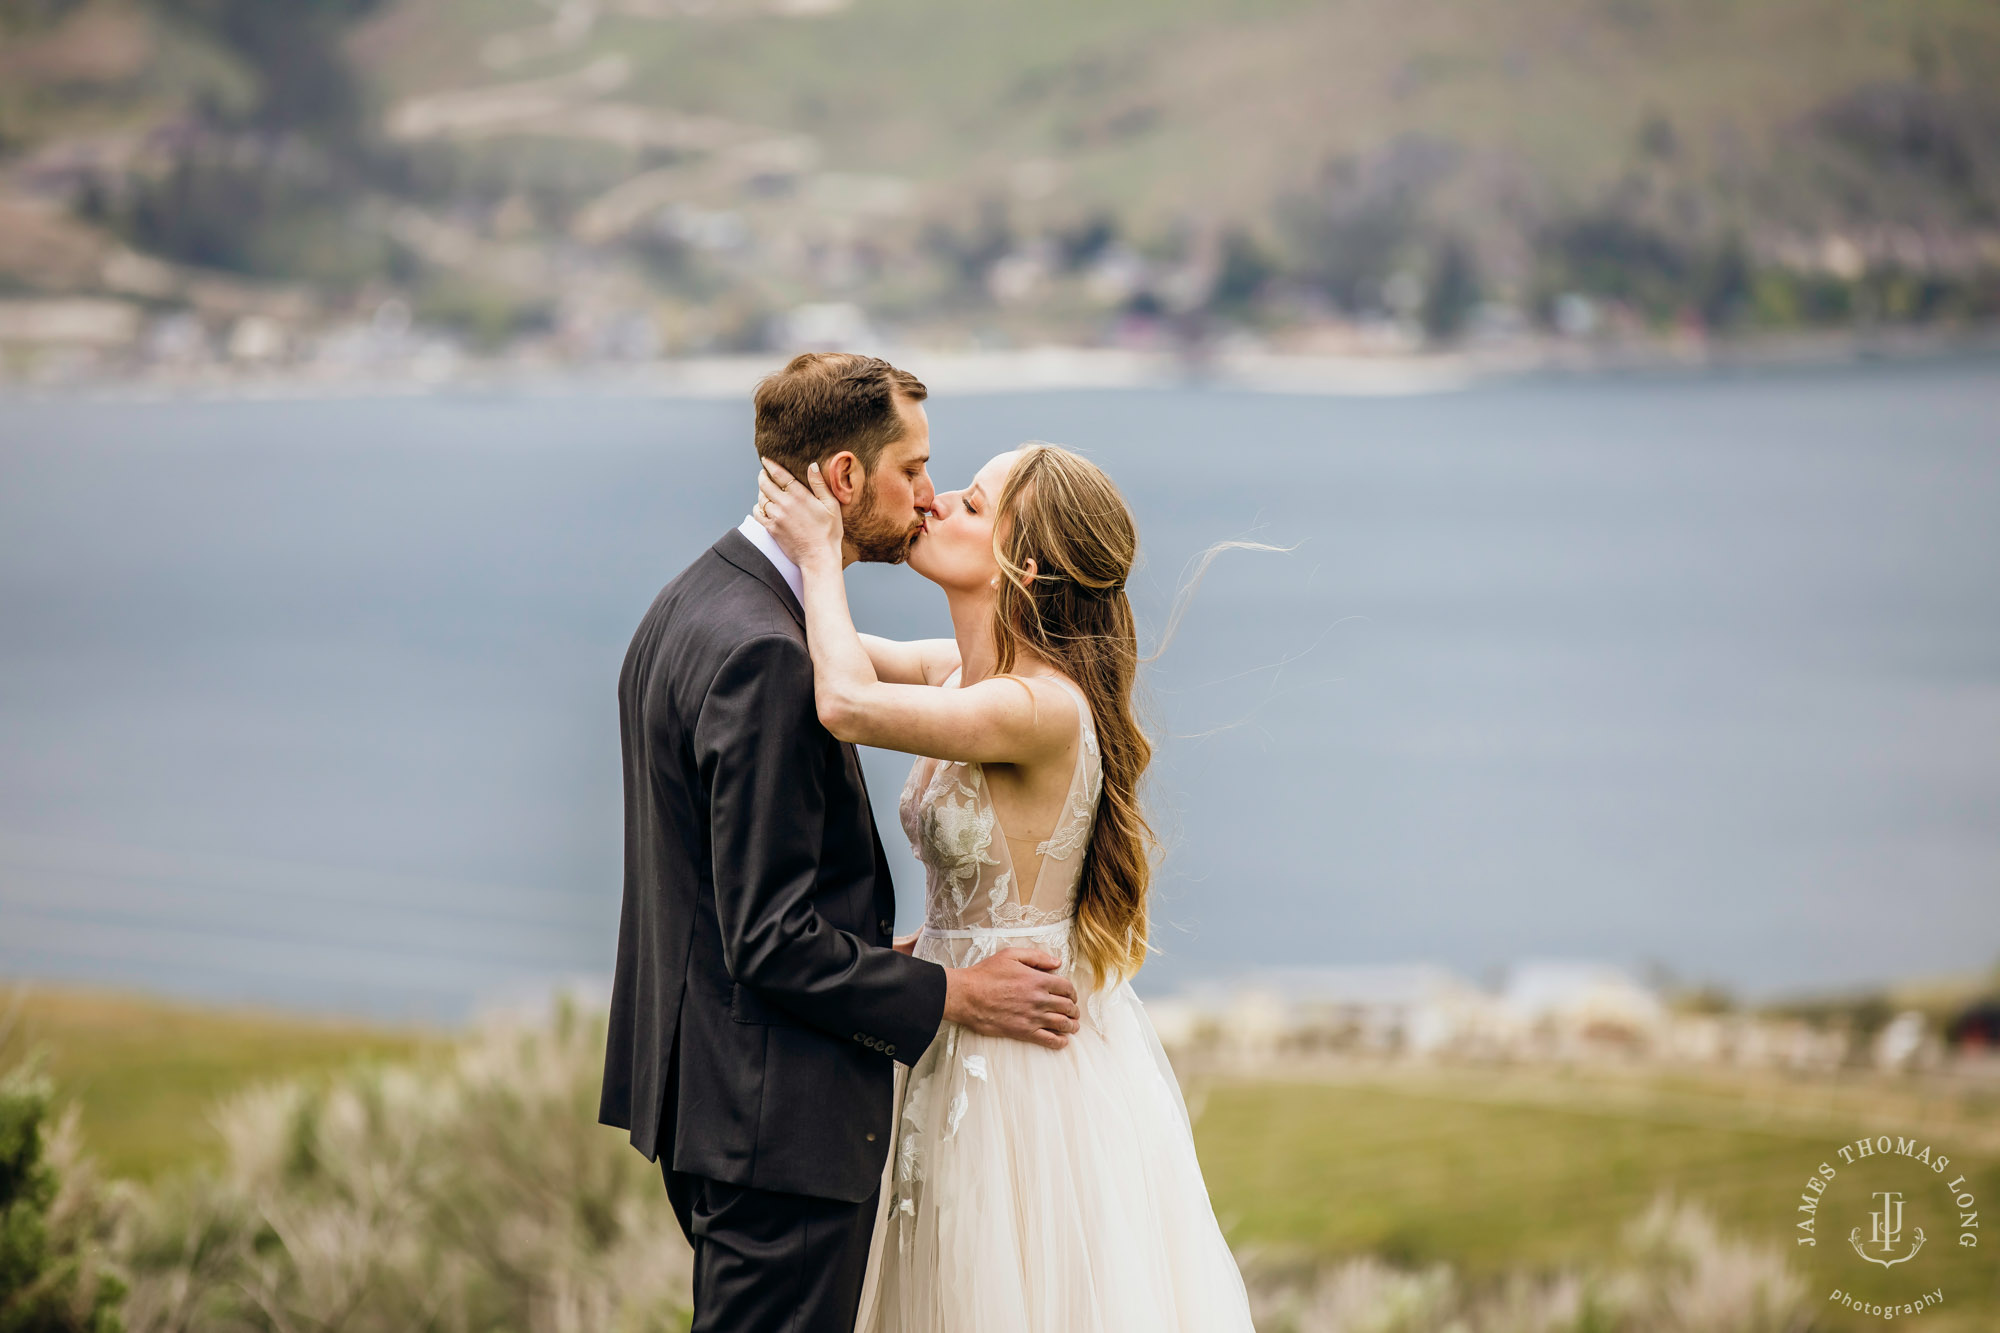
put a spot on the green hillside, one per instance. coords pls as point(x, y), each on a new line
point(1182, 108)
point(1310, 173)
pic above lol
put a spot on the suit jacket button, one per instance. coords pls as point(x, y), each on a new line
point(859, 1037)
point(888, 926)
point(869, 1137)
point(890, 1049)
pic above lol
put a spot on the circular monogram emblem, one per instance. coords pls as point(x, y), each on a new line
point(1882, 1217)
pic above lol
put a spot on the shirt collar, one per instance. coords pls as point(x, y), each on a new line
point(795, 579)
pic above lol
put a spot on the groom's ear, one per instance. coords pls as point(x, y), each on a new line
point(843, 476)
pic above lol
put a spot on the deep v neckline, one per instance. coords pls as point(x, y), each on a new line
point(1040, 844)
point(953, 824)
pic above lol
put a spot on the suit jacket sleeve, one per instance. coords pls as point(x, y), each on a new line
point(763, 753)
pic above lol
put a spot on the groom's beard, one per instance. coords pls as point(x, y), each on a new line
point(878, 538)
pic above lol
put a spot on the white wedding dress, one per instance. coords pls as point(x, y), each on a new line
point(1030, 1190)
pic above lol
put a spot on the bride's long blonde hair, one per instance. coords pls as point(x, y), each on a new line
point(1061, 511)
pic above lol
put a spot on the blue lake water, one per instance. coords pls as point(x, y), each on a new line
point(311, 703)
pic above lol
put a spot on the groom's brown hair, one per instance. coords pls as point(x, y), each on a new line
point(824, 402)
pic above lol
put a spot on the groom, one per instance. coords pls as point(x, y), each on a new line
point(758, 1002)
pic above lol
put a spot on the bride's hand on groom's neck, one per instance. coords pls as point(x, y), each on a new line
point(803, 517)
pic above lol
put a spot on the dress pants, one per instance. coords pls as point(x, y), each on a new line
point(766, 1262)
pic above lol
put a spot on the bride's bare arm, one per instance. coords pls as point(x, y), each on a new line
point(912, 662)
point(994, 721)
point(1000, 720)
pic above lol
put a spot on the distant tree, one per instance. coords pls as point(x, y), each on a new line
point(1083, 243)
point(1869, 1014)
point(1657, 138)
point(1452, 293)
point(968, 255)
point(1709, 999)
point(1245, 269)
point(1907, 131)
point(1725, 296)
point(265, 183)
point(297, 50)
point(1609, 254)
point(1350, 232)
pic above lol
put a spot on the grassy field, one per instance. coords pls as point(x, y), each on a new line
point(1488, 1170)
point(1491, 1171)
point(144, 1072)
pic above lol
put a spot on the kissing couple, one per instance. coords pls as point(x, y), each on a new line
point(1033, 1170)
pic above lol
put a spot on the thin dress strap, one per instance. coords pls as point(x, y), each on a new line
point(1079, 810)
point(1086, 733)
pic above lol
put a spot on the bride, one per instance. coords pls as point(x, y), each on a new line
point(1030, 1190)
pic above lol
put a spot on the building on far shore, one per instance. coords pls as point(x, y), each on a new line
point(1572, 1009)
point(1390, 1009)
point(1559, 1010)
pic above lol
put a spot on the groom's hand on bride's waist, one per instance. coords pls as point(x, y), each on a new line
point(1016, 993)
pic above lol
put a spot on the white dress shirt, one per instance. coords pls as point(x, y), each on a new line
point(795, 579)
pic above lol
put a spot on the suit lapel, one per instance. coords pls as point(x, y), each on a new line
point(737, 550)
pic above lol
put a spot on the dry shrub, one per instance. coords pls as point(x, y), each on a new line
point(1677, 1273)
point(56, 1219)
point(476, 1193)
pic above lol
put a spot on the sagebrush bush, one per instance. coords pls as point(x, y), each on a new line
point(1676, 1273)
point(54, 1220)
point(476, 1192)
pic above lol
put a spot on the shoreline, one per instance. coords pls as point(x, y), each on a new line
point(1045, 369)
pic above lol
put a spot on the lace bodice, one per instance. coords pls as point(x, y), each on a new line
point(972, 886)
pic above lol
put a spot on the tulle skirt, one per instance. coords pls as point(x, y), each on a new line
point(1038, 1191)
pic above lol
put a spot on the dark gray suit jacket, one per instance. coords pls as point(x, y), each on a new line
point(758, 905)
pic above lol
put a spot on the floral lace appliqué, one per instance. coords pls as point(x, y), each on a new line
point(958, 833)
point(997, 897)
